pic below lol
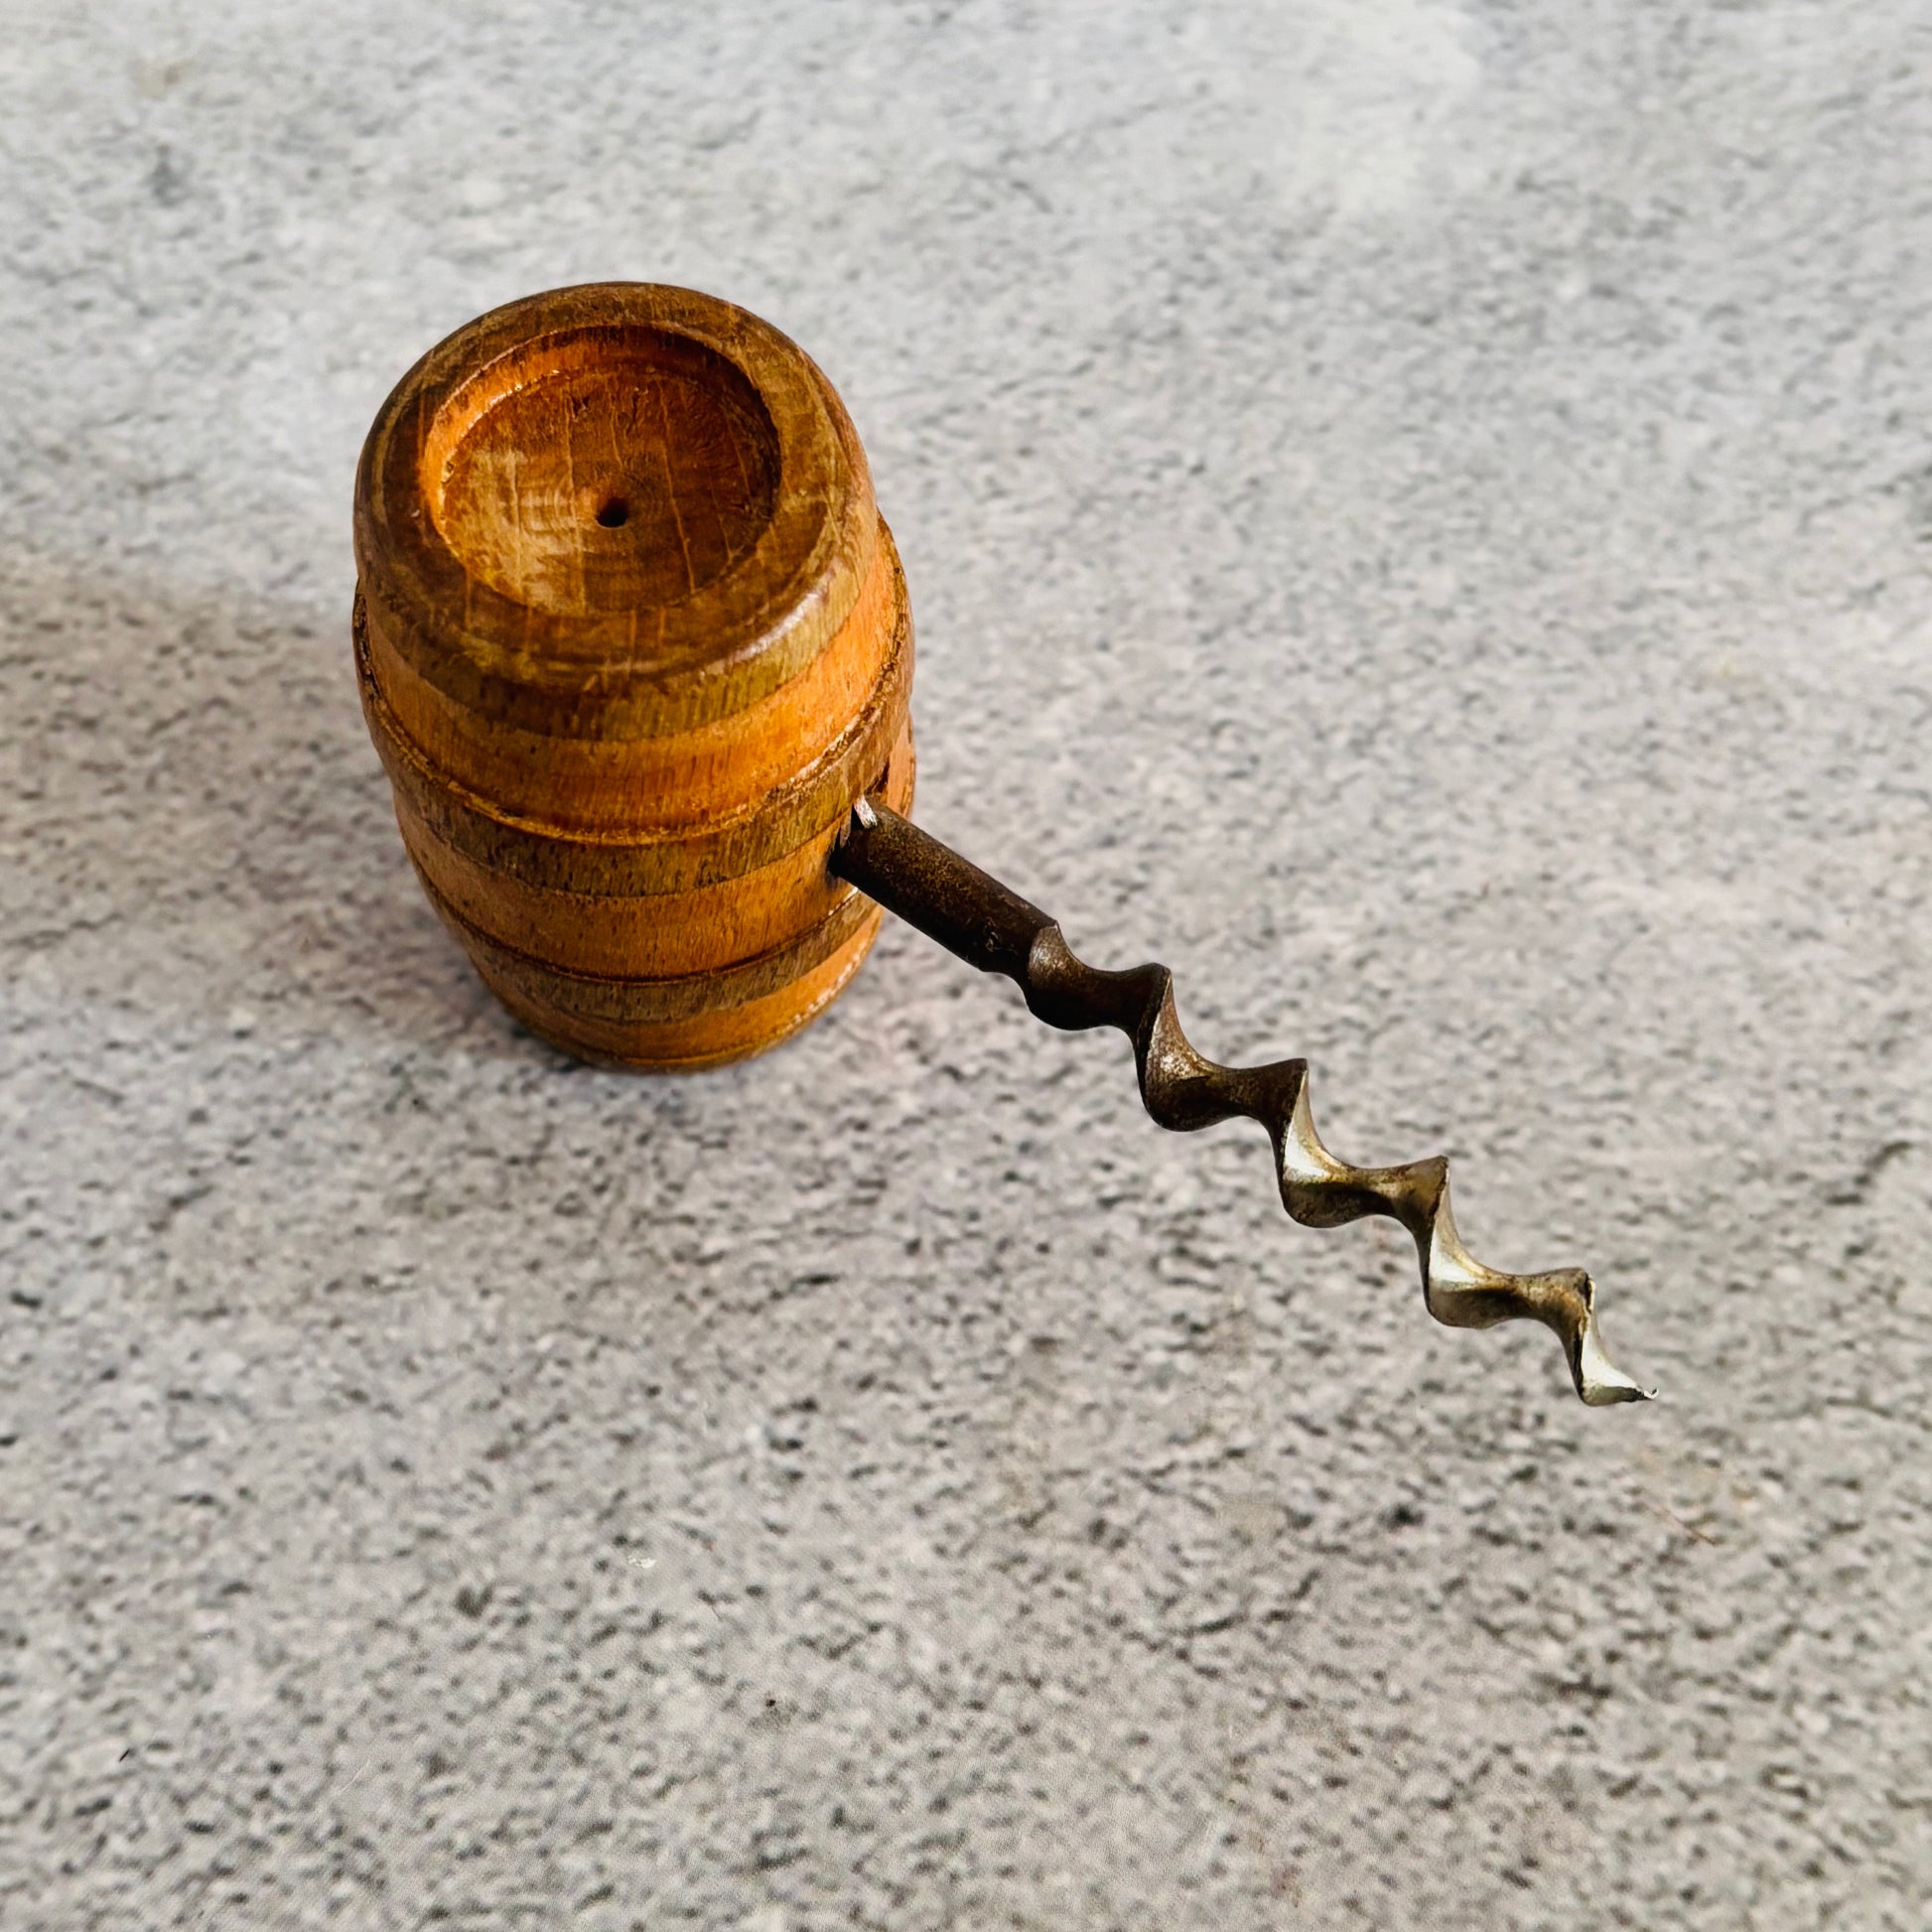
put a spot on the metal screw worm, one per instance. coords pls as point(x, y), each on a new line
point(949, 899)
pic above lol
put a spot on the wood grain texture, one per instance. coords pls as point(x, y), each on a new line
point(632, 638)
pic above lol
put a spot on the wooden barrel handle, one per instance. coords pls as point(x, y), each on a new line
point(632, 638)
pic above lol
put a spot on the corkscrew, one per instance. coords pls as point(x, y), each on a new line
point(635, 646)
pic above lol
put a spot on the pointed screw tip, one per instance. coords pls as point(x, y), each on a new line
point(1600, 1395)
point(1599, 1381)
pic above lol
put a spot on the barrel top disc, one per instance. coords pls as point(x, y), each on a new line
point(613, 509)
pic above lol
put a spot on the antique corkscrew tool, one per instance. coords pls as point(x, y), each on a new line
point(634, 644)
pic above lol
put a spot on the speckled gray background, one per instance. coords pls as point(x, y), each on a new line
point(1418, 515)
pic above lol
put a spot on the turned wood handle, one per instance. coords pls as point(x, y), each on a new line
point(632, 638)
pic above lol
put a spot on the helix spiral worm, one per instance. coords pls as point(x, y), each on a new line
point(968, 912)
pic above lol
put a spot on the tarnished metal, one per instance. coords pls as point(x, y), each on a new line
point(932, 888)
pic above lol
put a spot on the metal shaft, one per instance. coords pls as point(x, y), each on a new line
point(970, 913)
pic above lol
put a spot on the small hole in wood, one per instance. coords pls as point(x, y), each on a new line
point(612, 514)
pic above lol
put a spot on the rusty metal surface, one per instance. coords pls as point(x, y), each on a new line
point(972, 914)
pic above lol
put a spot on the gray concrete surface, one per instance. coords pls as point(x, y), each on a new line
point(1416, 514)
